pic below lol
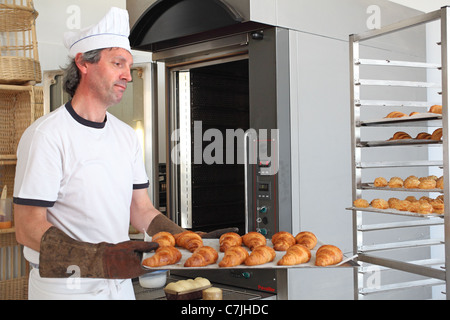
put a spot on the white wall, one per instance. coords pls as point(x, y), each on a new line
point(57, 17)
point(423, 5)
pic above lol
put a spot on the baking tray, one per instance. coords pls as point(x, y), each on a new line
point(433, 120)
point(371, 186)
point(214, 243)
point(400, 142)
point(398, 212)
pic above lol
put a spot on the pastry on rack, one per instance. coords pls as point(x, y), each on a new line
point(260, 255)
point(414, 206)
point(411, 199)
point(202, 257)
point(308, 239)
point(282, 241)
point(437, 135)
point(328, 255)
point(423, 136)
point(395, 182)
point(189, 240)
point(425, 208)
point(361, 203)
point(164, 239)
point(380, 182)
point(400, 135)
point(427, 183)
point(438, 206)
point(163, 256)
point(297, 254)
point(379, 204)
point(440, 183)
point(253, 239)
point(234, 256)
point(412, 182)
point(228, 240)
point(392, 202)
point(436, 109)
point(402, 205)
point(396, 114)
point(414, 113)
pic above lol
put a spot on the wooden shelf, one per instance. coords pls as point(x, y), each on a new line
point(7, 231)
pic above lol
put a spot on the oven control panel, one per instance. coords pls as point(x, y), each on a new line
point(265, 198)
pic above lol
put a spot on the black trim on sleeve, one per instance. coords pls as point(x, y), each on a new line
point(34, 202)
point(141, 186)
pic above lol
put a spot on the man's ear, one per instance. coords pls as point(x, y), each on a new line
point(81, 63)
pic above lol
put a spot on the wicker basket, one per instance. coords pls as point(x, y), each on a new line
point(19, 107)
point(19, 57)
point(14, 269)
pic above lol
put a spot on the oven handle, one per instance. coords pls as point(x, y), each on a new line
point(246, 163)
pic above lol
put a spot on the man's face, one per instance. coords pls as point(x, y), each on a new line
point(109, 77)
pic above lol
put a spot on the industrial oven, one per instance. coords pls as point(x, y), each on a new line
point(228, 127)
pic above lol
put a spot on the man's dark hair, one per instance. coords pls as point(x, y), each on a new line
point(72, 75)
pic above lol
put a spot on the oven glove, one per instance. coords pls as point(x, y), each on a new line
point(63, 257)
point(162, 223)
point(215, 234)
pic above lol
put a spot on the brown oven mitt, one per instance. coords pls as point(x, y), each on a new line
point(162, 223)
point(104, 260)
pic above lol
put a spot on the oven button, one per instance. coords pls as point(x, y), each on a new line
point(263, 231)
point(246, 275)
point(263, 209)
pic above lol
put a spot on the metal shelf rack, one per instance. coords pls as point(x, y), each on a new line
point(431, 272)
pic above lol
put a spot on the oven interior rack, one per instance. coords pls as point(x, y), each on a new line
point(377, 259)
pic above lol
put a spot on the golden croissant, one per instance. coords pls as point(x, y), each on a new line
point(163, 256)
point(189, 240)
point(282, 241)
point(260, 255)
point(202, 257)
point(253, 240)
point(234, 256)
point(164, 239)
point(307, 239)
point(328, 255)
point(297, 254)
point(228, 240)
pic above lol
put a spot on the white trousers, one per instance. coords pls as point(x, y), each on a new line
point(78, 288)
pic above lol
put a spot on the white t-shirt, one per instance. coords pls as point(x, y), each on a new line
point(83, 172)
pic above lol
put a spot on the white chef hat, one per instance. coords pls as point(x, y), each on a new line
point(111, 32)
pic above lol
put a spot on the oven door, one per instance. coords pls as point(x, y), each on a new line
point(210, 116)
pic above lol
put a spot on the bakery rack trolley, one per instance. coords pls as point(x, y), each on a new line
point(431, 272)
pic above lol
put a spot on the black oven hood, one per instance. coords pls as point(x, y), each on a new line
point(174, 23)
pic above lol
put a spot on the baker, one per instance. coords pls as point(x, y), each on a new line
point(80, 178)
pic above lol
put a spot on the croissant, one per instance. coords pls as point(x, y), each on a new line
point(282, 241)
point(234, 256)
point(396, 114)
point(164, 239)
point(189, 240)
point(400, 135)
point(163, 256)
point(306, 239)
point(328, 255)
point(437, 134)
point(228, 240)
point(202, 257)
point(253, 240)
point(436, 109)
point(260, 255)
point(297, 254)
